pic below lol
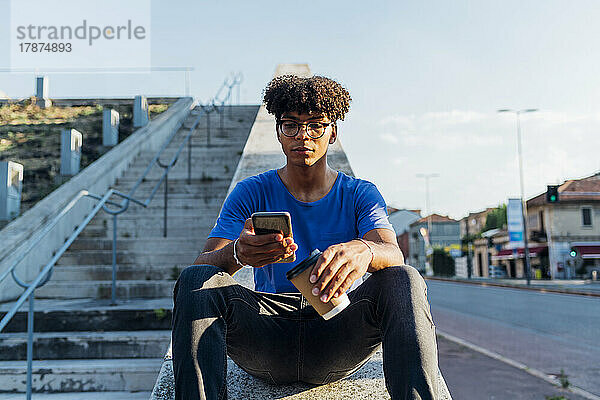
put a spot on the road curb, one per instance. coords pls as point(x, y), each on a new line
point(532, 371)
point(534, 289)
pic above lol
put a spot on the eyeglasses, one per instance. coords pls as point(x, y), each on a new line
point(314, 129)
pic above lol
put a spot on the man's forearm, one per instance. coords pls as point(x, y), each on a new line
point(222, 258)
point(384, 255)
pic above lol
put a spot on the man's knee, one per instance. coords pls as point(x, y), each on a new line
point(196, 277)
point(399, 279)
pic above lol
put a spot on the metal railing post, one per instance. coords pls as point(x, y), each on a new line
point(114, 262)
point(208, 129)
point(189, 178)
point(222, 116)
point(30, 318)
point(166, 200)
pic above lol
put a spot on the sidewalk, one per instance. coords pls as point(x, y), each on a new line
point(472, 375)
point(575, 286)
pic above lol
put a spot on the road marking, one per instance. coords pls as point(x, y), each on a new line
point(532, 371)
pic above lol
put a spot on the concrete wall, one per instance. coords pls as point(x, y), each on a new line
point(96, 178)
point(566, 220)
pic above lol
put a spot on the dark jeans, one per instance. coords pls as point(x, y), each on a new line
point(281, 338)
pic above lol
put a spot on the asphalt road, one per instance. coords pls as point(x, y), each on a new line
point(545, 331)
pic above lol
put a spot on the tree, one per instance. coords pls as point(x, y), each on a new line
point(496, 219)
point(443, 263)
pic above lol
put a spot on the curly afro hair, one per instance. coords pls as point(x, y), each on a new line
point(316, 94)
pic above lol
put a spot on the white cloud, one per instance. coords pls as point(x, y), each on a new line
point(388, 137)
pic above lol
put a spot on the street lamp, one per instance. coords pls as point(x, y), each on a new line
point(523, 204)
point(428, 205)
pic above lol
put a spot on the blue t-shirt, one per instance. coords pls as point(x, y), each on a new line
point(349, 210)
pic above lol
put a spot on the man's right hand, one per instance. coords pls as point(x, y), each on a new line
point(260, 250)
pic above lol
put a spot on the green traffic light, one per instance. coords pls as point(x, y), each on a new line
point(553, 198)
point(573, 253)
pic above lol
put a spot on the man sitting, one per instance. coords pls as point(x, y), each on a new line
point(272, 332)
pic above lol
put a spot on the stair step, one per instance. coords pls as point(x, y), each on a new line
point(149, 257)
point(149, 233)
point(81, 396)
point(52, 376)
point(102, 289)
point(219, 168)
point(85, 345)
point(139, 244)
point(54, 315)
point(124, 272)
point(179, 217)
point(209, 183)
point(93, 232)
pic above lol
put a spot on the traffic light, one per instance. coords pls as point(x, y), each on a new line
point(573, 253)
point(552, 194)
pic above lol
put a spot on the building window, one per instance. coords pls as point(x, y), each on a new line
point(586, 216)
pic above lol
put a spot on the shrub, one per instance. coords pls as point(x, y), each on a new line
point(443, 263)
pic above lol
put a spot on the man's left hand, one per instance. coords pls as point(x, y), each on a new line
point(338, 267)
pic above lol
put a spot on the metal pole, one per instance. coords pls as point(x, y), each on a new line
point(428, 207)
point(469, 260)
point(222, 115)
point(523, 204)
point(429, 257)
point(208, 129)
point(114, 263)
point(30, 316)
point(166, 200)
point(189, 178)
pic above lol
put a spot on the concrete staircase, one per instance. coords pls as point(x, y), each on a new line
point(82, 343)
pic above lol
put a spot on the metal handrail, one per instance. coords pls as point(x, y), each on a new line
point(45, 274)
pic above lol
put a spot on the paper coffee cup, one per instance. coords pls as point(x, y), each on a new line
point(299, 276)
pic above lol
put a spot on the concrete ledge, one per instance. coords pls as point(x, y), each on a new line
point(96, 178)
point(366, 383)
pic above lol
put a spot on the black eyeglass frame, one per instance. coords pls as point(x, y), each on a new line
point(298, 124)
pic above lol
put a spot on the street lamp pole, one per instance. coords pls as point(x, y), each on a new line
point(523, 202)
point(428, 205)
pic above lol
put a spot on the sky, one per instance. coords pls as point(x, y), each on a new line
point(426, 79)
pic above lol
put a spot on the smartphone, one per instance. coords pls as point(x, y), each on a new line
point(274, 222)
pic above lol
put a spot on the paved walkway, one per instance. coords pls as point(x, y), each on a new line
point(472, 375)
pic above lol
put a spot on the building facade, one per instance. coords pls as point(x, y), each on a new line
point(569, 225)
point(445, 233)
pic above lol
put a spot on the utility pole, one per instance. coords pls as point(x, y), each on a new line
point(523, 202)
point(469, 259)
